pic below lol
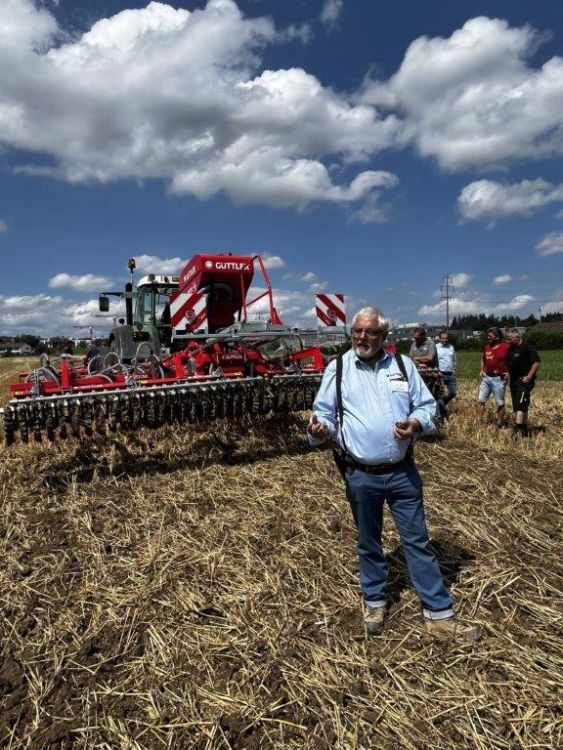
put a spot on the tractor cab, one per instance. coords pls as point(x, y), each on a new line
point(151, 314)
point(147, 329)
point(152, 309)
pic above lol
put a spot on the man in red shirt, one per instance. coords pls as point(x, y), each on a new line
point(493, 375)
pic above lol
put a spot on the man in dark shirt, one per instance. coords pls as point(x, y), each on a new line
point(523, 363)
point(423, 350)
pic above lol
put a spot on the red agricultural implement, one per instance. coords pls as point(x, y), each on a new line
point(206, 344)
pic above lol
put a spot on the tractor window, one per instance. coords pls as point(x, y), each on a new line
point(162, 307)
point(145, 307)
point(152, 307)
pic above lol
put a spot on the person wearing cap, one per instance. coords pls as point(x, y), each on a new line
point(384, 407)
point(523, 364)
point(493, 373)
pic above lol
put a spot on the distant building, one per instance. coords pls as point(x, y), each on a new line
point(405, 332)
point(317, 336)
point(463, 335)
point(8, 346)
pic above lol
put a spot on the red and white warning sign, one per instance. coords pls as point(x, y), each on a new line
point(330, 309)
point(188, 312)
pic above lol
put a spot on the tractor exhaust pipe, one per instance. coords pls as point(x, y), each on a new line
point(129, 305)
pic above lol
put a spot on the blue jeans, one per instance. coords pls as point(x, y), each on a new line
point(451, 384)
point(402, 489)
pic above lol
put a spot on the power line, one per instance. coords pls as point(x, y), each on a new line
point(447, 290)
point(528, 279)
point(481, 301)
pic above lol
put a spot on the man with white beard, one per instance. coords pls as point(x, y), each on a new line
point(383, 406)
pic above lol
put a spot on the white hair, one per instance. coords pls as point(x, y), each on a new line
point(373, 312)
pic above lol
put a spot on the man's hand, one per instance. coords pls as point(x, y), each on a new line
point(526, 379)
point(316, 429)
point(406, 430)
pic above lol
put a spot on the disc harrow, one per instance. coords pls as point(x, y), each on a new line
point(82, 415)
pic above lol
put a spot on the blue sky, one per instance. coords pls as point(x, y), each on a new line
point(362, 146)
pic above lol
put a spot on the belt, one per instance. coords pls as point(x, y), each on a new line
point(495, 374)
point(377, 468)
point(447, 372)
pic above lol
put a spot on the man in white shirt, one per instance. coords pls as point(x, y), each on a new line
point(447, 364)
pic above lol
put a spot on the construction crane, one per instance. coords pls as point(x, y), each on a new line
point(113, 317)
point(90, 329)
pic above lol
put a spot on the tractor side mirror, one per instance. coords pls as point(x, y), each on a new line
point(104, 303)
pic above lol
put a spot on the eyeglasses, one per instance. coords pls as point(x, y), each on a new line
point(371, 333)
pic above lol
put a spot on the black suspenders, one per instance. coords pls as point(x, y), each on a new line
point(341, 451)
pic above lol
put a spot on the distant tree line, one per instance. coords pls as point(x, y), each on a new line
point(545, 339)
point(482, 322)
point(540, 339)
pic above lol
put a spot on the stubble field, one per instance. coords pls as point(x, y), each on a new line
point(196, 588)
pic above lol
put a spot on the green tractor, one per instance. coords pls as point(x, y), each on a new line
point(146, 328)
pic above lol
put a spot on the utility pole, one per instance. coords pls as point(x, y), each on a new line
point(447, 289)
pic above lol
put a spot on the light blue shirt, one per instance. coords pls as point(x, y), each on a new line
point(373, 400)
point(446, 358)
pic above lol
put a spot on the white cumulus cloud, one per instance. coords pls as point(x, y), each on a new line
point(273, 261)
point(318, 286)
point(505, 278)
point(473, 99)
point(167, 93)
point(29, 313)
point(486, 199)
point(87, 313)
point(48, 315)
point(551, 244)
point(331, 11)
point(155, 264)
point(461, 279)
point(475, 305)
point(86, 283)
point(290, 305)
